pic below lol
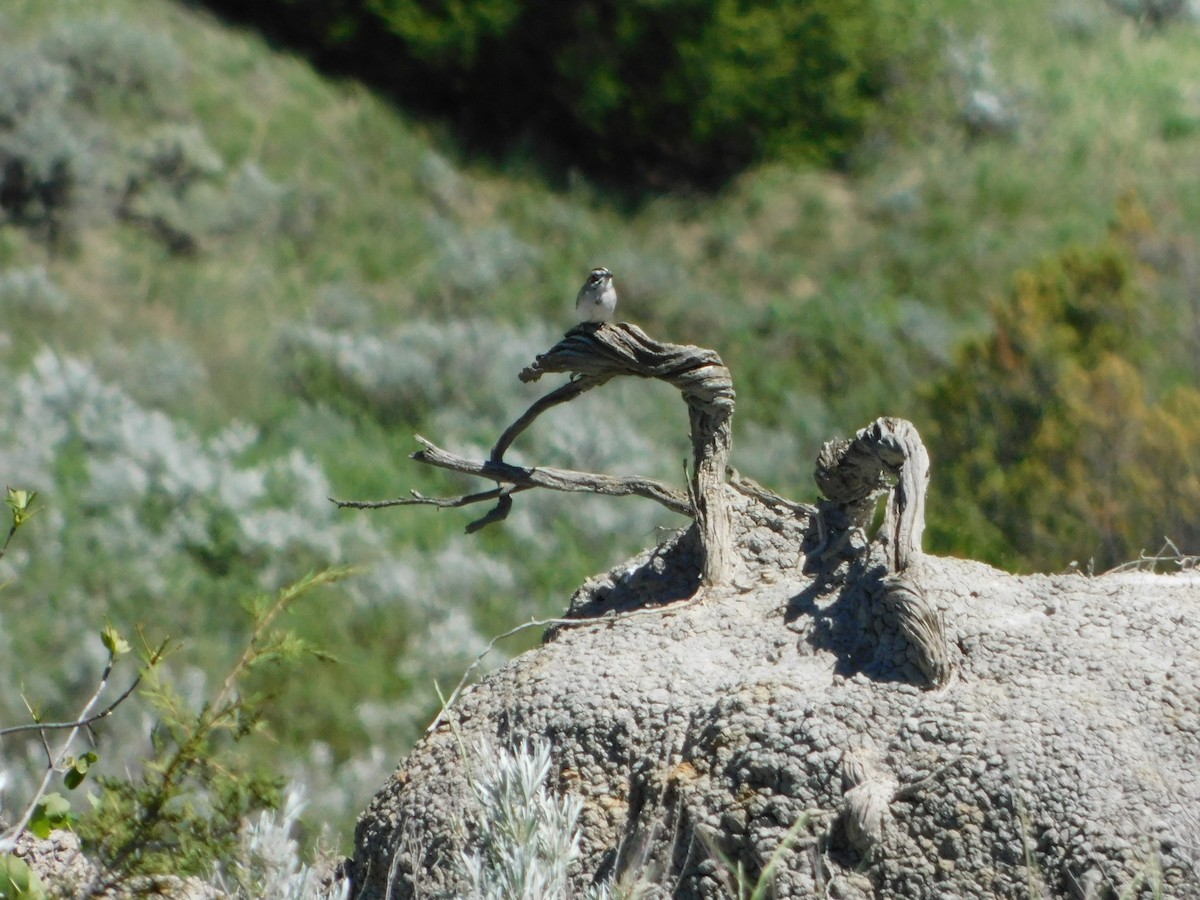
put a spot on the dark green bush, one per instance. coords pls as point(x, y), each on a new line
point(649, 90)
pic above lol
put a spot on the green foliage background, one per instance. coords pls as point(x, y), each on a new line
point(641, 91)
point(231, 287)
point(1059, 436)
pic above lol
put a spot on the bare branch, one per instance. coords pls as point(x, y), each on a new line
point(553, 479)
point(567, 392)
point(752, 488)
point(608, 619)
point(8, 540)
point(594, 354)
point(78, 723)
point(58, 758)
point(419, 499)
point(498, 513)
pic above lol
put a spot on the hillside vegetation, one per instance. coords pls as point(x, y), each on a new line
point(231, 287)
point(686, 92)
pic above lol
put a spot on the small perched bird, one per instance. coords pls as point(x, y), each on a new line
point(597, 300)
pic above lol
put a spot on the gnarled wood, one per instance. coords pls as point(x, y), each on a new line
point(920, 624)
point(887, 455)
point(595, 354)
point(602, 352)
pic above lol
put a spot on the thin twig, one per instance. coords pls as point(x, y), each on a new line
point(78, 723)
point(8, 540)
point(1168, 553)
point(751, 488)
point(22, 823)
point(419, 499)
point(567, 392)
point(262, 623)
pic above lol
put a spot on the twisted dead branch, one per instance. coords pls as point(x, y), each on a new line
point(888, 455)
point(593, 355)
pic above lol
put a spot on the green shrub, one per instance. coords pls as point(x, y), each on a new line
point(188, 807)
point(110, 62)
point(88, 131)
point(1155, 13)
point(1048, 442)
point(656, 91)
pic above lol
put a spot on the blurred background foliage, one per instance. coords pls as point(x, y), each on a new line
point(637, 92)
point(1057, 438)
point(233, 284)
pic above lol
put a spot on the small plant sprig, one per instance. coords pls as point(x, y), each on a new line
point(21, 504)
point(46, 810)
point(182, 815)
point(526, 834)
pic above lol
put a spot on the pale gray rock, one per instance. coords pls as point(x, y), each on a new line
point(1059, 755)
point(66, 874)
point(57, 860)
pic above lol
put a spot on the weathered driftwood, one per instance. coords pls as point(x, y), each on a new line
point(888, 455)
point(595, 354)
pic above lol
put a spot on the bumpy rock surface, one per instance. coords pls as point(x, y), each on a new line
point(57, 860)
point(66, 874)
point(1061, 758)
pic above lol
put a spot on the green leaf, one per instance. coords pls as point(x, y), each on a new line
point(113, 642)
point(78, 770)
point(18, 881)
point(52, 812)
point(20, 502)
point(39, 825)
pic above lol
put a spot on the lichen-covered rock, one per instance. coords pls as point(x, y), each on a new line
point(57, 860)
point(1061, 756)
point(66, 874)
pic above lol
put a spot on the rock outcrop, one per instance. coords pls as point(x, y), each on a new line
point(769, 698)
point(1048, 745)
